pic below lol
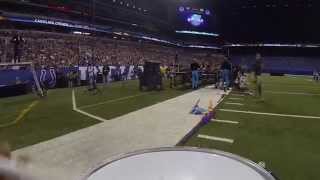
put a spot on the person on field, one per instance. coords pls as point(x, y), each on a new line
point(105, 73)
point(226, 68)
point(91, 76)
point(258, 66)
point(315, 75)
point(257, 73)
point(195, 74)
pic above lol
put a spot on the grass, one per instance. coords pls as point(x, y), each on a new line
point(289, 146)
point(53, 116)
point(135, 101)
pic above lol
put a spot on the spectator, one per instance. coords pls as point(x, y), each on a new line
point(17, 41)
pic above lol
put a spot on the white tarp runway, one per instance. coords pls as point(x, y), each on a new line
point(160, 125)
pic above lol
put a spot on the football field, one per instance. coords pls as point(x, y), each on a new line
point(282, 129)
point(27, 120)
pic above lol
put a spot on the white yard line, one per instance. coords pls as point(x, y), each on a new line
point(270, 114)
point(232, 103)
point(240, 95)
point(291, 86)
point(74, 105)
point(292, 93)
point(216, 138)
point(112, 101)
point(290, 75)
point(240, 99)
point(225, 121)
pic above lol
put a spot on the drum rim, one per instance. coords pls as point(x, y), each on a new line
point(260, 170)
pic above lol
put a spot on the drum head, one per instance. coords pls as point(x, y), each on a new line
point(179, 164)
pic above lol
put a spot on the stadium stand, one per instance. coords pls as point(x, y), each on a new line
point(64, 51)
point(281, 64)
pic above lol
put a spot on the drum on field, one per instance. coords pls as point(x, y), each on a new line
point(178, 164)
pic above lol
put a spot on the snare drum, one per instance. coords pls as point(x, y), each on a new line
point(178, 164)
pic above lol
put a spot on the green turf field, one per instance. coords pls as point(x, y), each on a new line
point(289, 145)
point(53, 116)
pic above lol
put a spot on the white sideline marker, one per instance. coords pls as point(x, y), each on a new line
point(232, 103)
point(225, 121)
point(236, 99)
point(240, 95)
point(213, 138)
point(270, 114)
point(74, 105)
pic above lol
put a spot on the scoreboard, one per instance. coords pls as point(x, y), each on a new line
point(188, 18)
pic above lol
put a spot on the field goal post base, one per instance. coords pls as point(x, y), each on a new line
point(33, 71)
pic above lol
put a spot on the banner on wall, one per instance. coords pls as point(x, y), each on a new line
point(55, 22)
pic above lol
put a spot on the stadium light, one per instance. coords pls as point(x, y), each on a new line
point(81, 33)
point(202, 47)
point(274, 45)
point(197, 33)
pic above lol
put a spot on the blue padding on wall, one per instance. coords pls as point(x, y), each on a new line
point(8, 77)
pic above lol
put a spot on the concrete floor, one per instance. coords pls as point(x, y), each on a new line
point(69, 157)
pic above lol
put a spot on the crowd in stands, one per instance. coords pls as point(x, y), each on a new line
point(61, 50)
